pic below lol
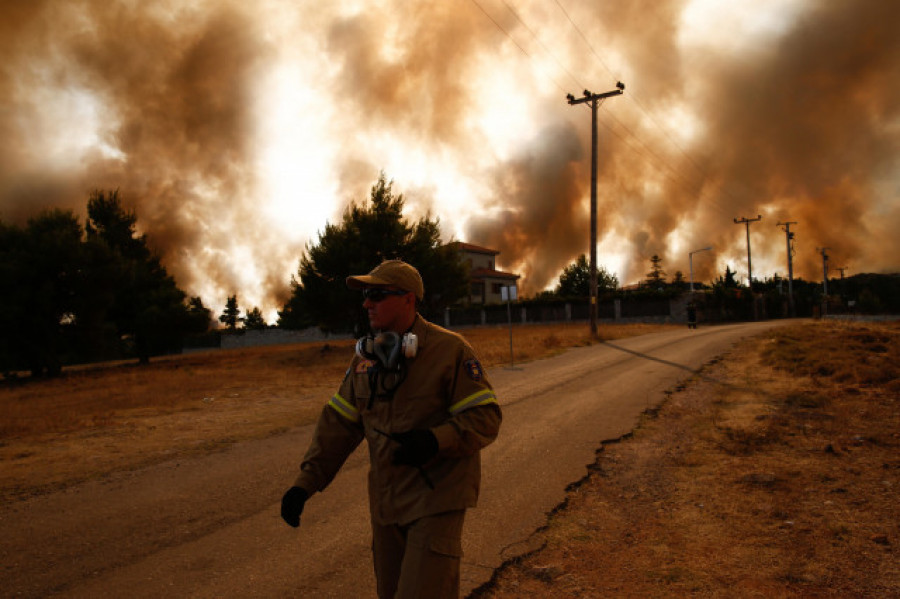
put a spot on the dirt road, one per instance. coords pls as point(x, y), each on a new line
point(209, 526)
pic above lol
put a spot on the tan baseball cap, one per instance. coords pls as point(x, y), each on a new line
point(396, 273)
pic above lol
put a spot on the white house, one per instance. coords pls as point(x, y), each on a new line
point(485, 281)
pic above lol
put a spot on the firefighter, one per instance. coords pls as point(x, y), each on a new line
point(418, 395)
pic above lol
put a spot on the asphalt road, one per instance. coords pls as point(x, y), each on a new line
point(210, 526)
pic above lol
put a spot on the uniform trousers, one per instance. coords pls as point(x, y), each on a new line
point(420, 559)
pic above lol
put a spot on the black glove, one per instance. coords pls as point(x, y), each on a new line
point(416, 447)
point(292, 505)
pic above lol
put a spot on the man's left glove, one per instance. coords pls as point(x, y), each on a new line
point(292, 505)
point(416, 447)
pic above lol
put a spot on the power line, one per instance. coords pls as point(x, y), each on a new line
point(578, 29)
point(507, 33)
point(663, 164)
point(500, 27)
point(546, 49)
point(621, 124)
point(630, 94)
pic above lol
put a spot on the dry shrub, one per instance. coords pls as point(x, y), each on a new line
point(551, 341)
point(745, 441)
point(858, 353)
point(806, 398)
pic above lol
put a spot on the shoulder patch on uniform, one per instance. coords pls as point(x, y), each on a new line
point(364, 365)
point(473, 367)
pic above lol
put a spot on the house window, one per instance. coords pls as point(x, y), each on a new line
point(477, 290)
point(496, 288)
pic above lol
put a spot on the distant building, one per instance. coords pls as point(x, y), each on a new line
point(485, 281)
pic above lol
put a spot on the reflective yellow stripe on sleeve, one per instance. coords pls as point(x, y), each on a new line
point(344, 408)
point(479, 398)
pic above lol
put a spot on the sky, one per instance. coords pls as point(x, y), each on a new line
point(237, 131)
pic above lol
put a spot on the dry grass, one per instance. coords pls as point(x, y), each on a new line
point(533, 342)
point(94, 397)
point(774, 474)
point(97, 420)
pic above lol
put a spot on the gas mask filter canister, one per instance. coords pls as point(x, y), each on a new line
point(387, 347)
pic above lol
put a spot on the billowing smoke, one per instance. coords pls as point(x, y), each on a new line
point(804, 129)
point(164, 96)
point(166, 102)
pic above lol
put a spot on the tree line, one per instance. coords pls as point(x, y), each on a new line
point(78, 294)
point(75, 294)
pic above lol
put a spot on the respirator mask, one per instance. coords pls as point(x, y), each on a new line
point(387, 347)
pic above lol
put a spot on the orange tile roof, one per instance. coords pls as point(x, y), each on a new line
point(471, 247)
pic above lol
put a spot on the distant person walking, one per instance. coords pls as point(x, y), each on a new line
point(419, 396)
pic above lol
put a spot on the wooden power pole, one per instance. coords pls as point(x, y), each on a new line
point(594, 100)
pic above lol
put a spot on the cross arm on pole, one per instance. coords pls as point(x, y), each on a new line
point(589, 97)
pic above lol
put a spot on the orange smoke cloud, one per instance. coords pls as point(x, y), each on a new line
point(162, 101)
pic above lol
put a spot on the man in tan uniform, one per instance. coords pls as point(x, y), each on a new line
point(418, 395)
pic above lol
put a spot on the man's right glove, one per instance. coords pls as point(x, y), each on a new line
point(292, 505)
point(416, 447)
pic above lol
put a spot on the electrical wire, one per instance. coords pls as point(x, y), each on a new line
point(631, 95)
point(652, 158)
point(505, 32)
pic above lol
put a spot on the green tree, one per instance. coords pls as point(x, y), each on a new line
point(656, 278)
point(40, 269)
point(727, 281)
point(367, 235)
point(199, 316)
point(230, 316)
point(148, 308)
point(102, 271)
point(575, 280)
point(255, 319)
point(73, 294)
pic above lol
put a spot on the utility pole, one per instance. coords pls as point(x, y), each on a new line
point(842, 269)
point(746, 222)
point(790, 260)
point(594, 100)
point(824, 253)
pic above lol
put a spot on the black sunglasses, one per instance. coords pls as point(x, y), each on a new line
point(376, 294)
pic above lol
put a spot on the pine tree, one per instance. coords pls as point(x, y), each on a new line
point(230, 317)
point(367, 235)
point(255, 319)
point(575, 280)
point(656, 278)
